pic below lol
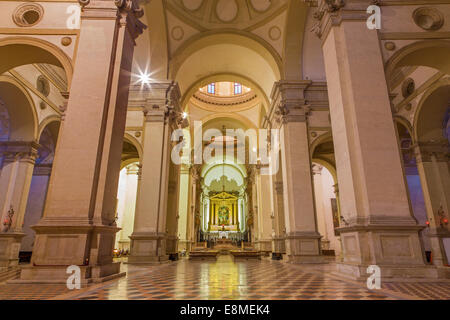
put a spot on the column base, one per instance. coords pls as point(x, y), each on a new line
point(265, 246)
point(304, 247)
point(440, 254)
point(59, 245)
point(393, 272)
point(58, 274)
point(148, 248)
point(171, 245)
point(277, 256)
point(279, 245)
point(9, 249)
point(124, 245)
point(396, 249)
point(184, 244)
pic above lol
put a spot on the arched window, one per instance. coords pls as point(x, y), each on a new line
point(212, 88)
point(237, 88)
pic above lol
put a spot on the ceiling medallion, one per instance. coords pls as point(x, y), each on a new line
point(28, 14)
point(227, 10)
point(261, 5)
point(192, 5)
point(177, 33)
point(274, 33)
point(428, 18)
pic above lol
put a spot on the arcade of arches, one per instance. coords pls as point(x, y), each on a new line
point(92, 118)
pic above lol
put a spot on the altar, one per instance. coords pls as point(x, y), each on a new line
point(223, 213)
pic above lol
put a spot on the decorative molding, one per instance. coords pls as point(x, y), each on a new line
point(428, 18)
point(28, 14)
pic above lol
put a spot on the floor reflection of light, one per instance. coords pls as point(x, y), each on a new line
point(220, 278)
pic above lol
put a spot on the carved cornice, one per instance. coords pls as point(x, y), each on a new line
point(331, 13)
point(19, 151)
point(163, 103)
point(288, 102)
point(127, 12)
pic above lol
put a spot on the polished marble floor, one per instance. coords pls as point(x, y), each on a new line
point(225, 279)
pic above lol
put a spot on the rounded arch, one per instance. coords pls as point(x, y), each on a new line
point(326, 137)
point(430, 53)
point(328, 166)
point(21, 110)
point(229, 77)
point(127, 162)
point(227, 51)
point(405, 123)
point(247, 124)
point(218, 161)
point(133, 141)
point(437, 98)
point(17, 51)
point(44, 123)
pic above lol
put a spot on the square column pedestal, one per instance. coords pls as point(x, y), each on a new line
point(148, 248)
point(57, 248)
point(303, 247)
point(9, 249)
point(396, 250)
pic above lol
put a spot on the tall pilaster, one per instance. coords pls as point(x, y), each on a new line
point(78, 226)
point(378, 227)
point(149, 238)
point(279, 227)
point(264, 243)
point(194, 208)
point(172, 211)
point(15, 180)
point(183, 209)
point(290, 112)
point(432, 160)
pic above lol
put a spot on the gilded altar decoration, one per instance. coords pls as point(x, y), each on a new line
point(224, 213)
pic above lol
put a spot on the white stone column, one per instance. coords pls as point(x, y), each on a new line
point(320, 210)
point(264, 243)
point(433, 166)
point(15, 180)
point(129, 207)
point(78, 226)
point(148, 241)
point(379, 228)
point(172, 211)
point(183, 209)
point(302, 237)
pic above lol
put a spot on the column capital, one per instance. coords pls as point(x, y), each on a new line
point(331, 13)
point(19, 150)
point(316, 169)
point(163, 103)
point(133, 169)
point(127, 11)
point(288, 101)
point(426, 151)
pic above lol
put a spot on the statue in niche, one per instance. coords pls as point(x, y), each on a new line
point(224, 216)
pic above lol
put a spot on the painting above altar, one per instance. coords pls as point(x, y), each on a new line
point(223, 212)
point(224, 216)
